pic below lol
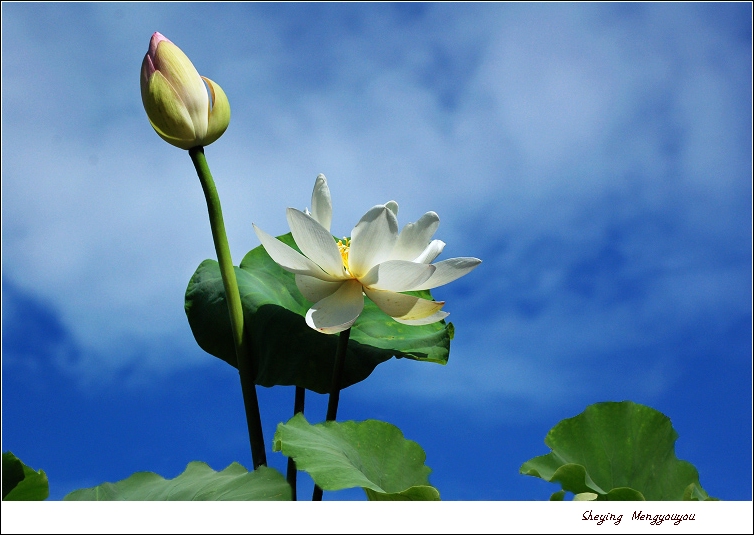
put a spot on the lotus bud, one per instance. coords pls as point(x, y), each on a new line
point(181, 108)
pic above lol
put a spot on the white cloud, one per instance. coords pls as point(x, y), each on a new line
point(518, 125)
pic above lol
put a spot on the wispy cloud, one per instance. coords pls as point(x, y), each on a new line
point(596, 158)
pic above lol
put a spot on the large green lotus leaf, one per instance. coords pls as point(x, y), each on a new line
point(618, 451)
point(286, 350)
point(418, 493)
point(21, 483)
point(197, 483)
point(369, 454)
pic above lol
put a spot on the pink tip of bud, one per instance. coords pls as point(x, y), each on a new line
point(156, 38)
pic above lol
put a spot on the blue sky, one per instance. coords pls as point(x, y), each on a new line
point(596, 157)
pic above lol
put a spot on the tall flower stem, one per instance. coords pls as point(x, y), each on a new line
point(337, 381)
point(298, 406)
point(233, 297)
point(337, 375)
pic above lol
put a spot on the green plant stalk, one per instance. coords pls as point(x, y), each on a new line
point(337, 380)
point(337, 375)
point(233, 296)
point(298, 406)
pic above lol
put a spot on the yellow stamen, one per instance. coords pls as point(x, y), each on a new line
point(343, 246)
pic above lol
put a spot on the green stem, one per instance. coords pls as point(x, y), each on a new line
point(298, 406)
point(337, 380)
point(233, 296)
point(337, 375)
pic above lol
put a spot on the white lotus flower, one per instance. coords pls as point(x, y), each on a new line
point(377, 261)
